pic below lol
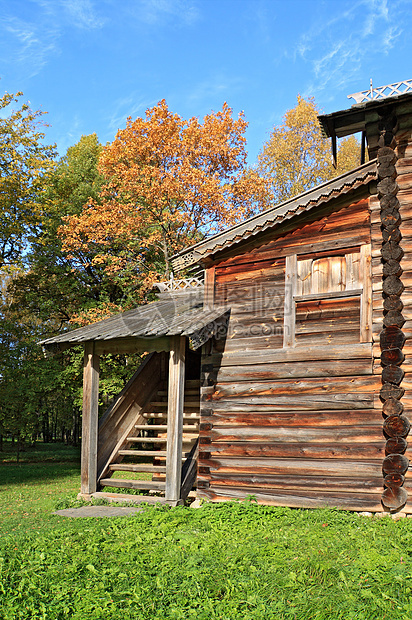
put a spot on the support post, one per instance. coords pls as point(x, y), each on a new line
point(90, 419)
point(175, 418)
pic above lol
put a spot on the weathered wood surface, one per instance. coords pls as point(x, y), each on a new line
point(300, 424)
point(287, 370)
point(356, 418)
point(323, 434)
point(306, 499)
point(298, 483)
point(300, 467)
point(306, 354)
point(351, 451)
point(175, 417)
point(90, 419)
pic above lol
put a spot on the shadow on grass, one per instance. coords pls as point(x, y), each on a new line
point(32, 473)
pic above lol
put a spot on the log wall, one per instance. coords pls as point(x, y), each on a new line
point(297, 425)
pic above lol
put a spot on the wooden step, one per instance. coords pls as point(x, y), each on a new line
point(151, 427)
point(161, 427)
point(187, 392)
point(155, 453)
point(150, 469)
point(187, 403)
point(142, 485)
point(163, 415)
point(148, 439)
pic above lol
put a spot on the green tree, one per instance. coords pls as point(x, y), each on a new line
point(25, 162)
point(297, 157)
point(56, 286)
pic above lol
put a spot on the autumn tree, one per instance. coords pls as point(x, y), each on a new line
point(24, 164)
point(169, 182)
point(297, 157)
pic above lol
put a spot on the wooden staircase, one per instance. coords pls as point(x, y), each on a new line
point(143, 448)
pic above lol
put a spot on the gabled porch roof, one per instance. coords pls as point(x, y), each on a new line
point(148, 327)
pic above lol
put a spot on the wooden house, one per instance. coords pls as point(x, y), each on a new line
point(286, 375)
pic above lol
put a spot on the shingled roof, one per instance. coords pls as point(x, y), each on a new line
point(175, 314)
point(274, 216)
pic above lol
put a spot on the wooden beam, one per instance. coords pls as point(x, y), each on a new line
point(90, 419)
point(366, 298)
point(290, 304)
point(133, 345)
point(175, 418)
point(209, 298)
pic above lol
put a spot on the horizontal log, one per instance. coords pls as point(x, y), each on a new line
point(363, 417)
point(388, 390)
point(396, 426)
point(324, 353)
point(392, 374)
point(393, 303)
point(388, 187)
point(392, 357)
point(352, 434)
point(392, 268)
point(394, 317)
point(394, 497)
point(391, 406)
point(396, 445)
point(298, 483)
point(293, 387)
point(305, 467)
point(354, 501)
point(392, 235)
point(392, 285)
point(386, 170)
point(329, 368)
point(392, 251)
point(395, 464)
point(300, 450)
point(394, 480)
point(386, 155)
point(392, 338)
point(305, 402)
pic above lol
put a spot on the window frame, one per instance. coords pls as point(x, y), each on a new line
point(364, 292)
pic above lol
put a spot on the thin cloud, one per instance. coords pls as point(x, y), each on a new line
point(336, 48)
point(83, 14)
point(158, 11)
point(132, 105)
point(29, 43)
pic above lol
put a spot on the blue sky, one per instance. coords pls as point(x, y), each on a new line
point(92, 63)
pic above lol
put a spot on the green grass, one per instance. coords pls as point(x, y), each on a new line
point(223, 561)
point(39, 453)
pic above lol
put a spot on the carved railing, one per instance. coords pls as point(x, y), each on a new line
point(382, 92)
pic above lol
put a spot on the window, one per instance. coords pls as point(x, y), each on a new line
point(328, 298)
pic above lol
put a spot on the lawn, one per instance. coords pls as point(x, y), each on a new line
point(223, 561)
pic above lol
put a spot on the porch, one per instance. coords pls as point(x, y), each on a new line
point(152, 426)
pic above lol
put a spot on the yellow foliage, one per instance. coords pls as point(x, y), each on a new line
point(297, 157)
point(169, 182)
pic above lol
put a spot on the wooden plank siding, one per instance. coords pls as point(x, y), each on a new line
point(293, 419)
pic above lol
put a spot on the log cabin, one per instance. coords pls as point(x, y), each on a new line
point(286, 373)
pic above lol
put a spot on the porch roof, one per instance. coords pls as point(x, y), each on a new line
point(175, 314)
